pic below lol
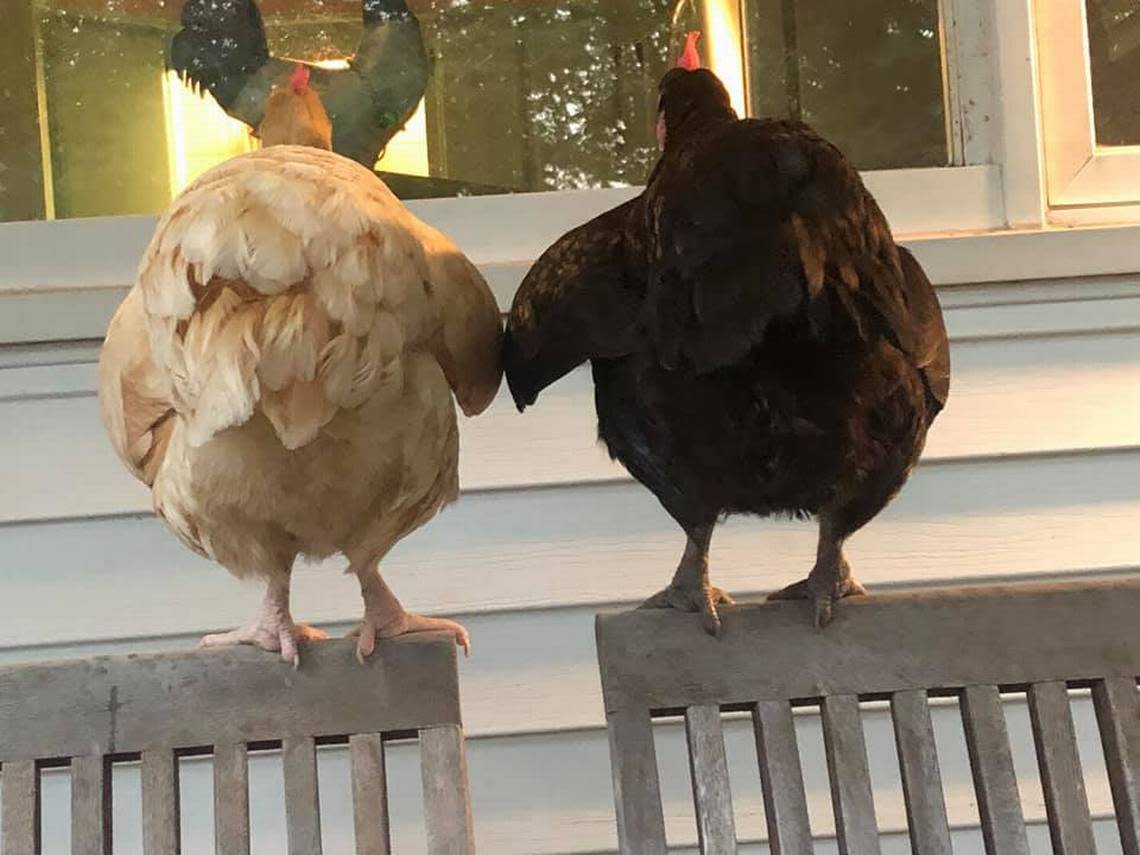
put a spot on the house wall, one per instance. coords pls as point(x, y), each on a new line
point(1031, 473)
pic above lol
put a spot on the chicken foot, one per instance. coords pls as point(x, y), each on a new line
point(830, 579)
point(384, 617)
point(690, 590)
point(273, 629)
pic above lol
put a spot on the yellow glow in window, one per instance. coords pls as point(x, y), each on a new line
point(199, 133)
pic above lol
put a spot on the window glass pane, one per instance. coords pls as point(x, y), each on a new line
point(867, 75)
point(1114, 51)
point(503, 95)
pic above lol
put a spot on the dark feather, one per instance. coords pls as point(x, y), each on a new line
point(581, 300)
point(759, 343)
point(221, 44)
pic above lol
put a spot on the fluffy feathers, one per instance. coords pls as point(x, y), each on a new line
point(282, 373)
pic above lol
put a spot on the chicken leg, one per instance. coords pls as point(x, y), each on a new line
point(384, 617)
point(273, 629)
point(690, 590)
point(829, 580)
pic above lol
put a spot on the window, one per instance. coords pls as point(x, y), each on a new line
point(522, 96)
point(1090, 58)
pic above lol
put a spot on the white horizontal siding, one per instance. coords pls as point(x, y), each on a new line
point(1050, 394)
point(1030, 473)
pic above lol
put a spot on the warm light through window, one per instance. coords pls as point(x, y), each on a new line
point(724, 41)
point(199, 133)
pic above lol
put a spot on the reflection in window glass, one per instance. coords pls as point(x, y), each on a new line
point(498, 95)
point(867, 75)
point(1114, 51)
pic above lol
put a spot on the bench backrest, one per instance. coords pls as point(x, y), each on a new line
point(905, 648)
point(92, 713)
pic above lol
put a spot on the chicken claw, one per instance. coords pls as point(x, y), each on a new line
point(276, 636)
point(822, 593)
point(371, 629)
point(704, 600)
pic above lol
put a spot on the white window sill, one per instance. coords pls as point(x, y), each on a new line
point(61, 280)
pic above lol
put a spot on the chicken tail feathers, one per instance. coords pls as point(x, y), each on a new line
point(221, 44)
point(520, 376)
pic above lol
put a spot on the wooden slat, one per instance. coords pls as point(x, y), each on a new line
point(90, 806)
point(160, 814)
point(921, 778)
point(637, 786)
point(447, 800)
point(995, 781)
point(708, 768)
point(1118, 716)
point(121, 704)
point(1066, 804)
point(785, 803)
point(1004, 635)
point(302, 804)
point(851, 797)
point(20, 808)
point(231, 799)
point(370, 794)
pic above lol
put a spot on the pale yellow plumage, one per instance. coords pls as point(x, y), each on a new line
point(282, 372)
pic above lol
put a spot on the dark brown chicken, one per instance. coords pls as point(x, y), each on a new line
point(759, 342)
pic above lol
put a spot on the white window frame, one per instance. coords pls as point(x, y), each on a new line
point(987, 220)
point(1086, 182)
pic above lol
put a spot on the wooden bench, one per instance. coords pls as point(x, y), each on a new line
point(969, 643)
point(93, 713)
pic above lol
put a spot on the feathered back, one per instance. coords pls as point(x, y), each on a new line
point(292, 282)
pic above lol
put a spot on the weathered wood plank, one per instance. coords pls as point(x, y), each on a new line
point(1066, 804)
point(161, 817)
point(20, 808)
point(231, 799)
point(302, 803)
point(370, 795)
point(995, 781)
point(1118, 717)
point(708, 769)
point(660, 659)
point(447, 799)
point(90, 806)
point(921, 777)
point(215, 697)
point(637, 786)
point(781, 776)
point(851, 798)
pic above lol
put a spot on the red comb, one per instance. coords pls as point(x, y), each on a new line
point(689, 58)
point(299, 79)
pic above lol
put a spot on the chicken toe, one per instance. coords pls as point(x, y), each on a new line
point(385, 617)
point(372, 628)
point(703, 599)
point(823, 594)
point(273, 629)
